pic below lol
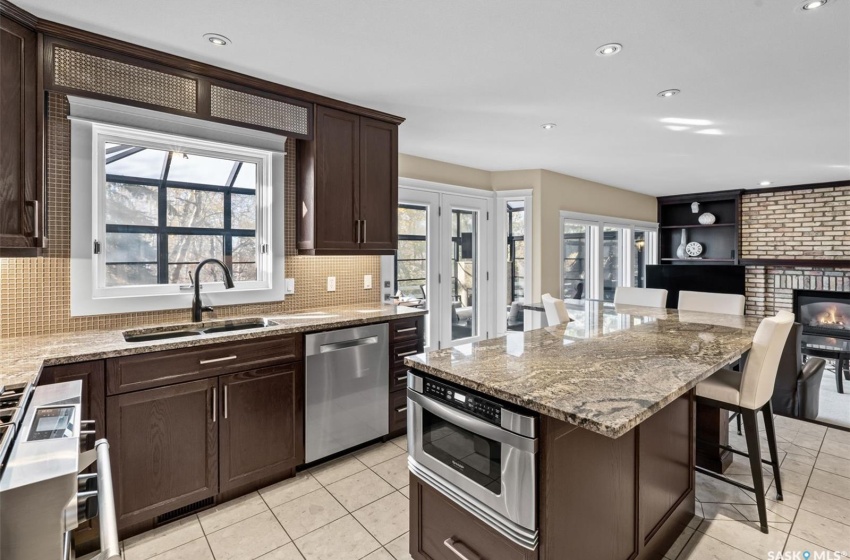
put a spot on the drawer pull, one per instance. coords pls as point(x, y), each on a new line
point(401, 409)
point(408, 329)
point(409, 353)
point(401, 378)
point(214, 360)
point(454, 546)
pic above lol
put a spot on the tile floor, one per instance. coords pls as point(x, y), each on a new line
point(357, 508)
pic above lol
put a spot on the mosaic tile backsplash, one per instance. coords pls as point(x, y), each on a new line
point(35, 292)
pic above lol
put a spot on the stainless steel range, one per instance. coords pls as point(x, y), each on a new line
point(44, 448)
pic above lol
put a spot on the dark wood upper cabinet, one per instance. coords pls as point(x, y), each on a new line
point(21, 198)
point(164, 448)
point(348, 186)
point(378, 185)
point(262, 419)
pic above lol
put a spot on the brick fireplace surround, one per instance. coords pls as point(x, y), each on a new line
point(806, 224)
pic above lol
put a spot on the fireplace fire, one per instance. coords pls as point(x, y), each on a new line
point(822, 312)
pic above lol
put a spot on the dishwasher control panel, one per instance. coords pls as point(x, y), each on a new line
point(463, 400)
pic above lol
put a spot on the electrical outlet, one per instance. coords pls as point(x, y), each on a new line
point(331, 283)
point(290, 285)
point(388, 297)
point(367, 281)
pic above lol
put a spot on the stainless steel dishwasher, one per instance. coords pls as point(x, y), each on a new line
point(347, 389)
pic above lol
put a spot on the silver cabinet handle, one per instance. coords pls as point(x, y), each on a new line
point(364, 232)
point(34, 204)
point(225, 402)
point(401, 378)
point(214, 360)
point(334, 346)
point(401, 409)
point(409, 329)
point(106, 504)
point(358, 230)
point(453, 545)
point(214, 404)
point(408, 353)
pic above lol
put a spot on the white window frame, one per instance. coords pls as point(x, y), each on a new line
point(594, 284)
point(93, 124)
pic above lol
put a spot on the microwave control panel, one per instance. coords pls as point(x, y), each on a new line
point(462, 400)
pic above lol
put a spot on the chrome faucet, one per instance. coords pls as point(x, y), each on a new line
point(198, 308)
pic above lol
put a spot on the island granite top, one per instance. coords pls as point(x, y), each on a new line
point(22, 358)
point(607, 370)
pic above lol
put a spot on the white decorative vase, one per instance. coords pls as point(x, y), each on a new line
point(681, 251)
point(707, 219)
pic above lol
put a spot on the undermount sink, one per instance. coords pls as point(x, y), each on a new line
point(182, 331)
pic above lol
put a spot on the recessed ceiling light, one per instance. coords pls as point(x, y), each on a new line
point(693, 122)
point(710, 131)
point(668, 93)
point(765, 184)
point(217, 40)
point(814, 5)
point(548, 126)
point(677, 128)
point(609, 49)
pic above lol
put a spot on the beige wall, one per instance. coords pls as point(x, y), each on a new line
point(552, 192)
point(423, 169)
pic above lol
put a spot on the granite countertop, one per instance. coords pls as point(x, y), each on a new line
point(23, 357)
point(607, 370)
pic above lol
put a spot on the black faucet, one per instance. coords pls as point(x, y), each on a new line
point(197, 307)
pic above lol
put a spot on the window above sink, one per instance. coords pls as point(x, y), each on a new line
point(154, 194)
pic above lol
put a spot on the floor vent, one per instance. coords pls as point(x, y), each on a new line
point(184, 511)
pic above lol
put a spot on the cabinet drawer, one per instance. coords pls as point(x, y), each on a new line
point(398, 379)
point(401, 350)
point(144, 371)
point(438, 525)
point(406, 329)
point(398, 411)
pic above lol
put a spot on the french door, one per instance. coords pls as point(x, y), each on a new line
point(443, 264)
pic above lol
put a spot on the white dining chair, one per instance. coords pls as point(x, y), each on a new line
point(646, 297)
point(747, 393)
point(710, 302)
point(556, 311)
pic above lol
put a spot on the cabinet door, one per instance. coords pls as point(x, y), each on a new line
point(164, 448)
point(337, 180)
point(262, 423)
point(19, 134)
point(378, 185)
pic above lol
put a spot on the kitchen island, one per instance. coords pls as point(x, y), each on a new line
point(612, 394)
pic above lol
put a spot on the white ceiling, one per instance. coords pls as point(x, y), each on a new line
point(476, 78)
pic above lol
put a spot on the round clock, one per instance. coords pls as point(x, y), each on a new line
point(694, 249)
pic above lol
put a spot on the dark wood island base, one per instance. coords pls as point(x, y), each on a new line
point(627, 498)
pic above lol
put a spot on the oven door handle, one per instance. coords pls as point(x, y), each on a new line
point(472, 424)
point(106, 504)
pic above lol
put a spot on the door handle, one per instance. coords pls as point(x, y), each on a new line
point(333, 346)
point(214, 404)
point(357, 222)
point(364, 232)
point(214, 360)
point(408, 353)
point(34, 204)
point(401, 409)
point(401, 378)
point(409, 329)
point(225, 402)
point(456, 546)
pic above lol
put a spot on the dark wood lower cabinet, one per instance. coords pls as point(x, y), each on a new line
point(436, 521)
point(261, 424)
point(164, 448)
point(614, 499)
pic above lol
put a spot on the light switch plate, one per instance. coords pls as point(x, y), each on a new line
point(367, 281)
point(290, 285)
point(331, 283)
point(387, 284)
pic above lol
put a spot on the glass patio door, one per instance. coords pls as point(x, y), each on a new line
point(463, 270)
